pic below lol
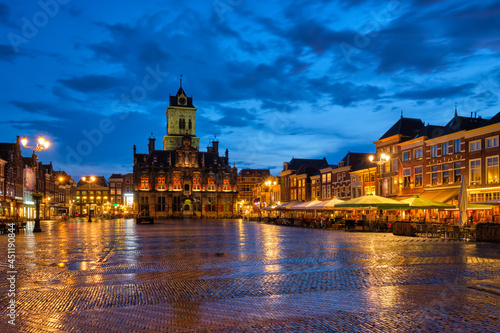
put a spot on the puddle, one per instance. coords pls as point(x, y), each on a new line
point(81, 265)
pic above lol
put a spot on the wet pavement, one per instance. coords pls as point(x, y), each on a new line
point(233, 276)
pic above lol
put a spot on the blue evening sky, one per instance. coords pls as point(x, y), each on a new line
point(272, 80)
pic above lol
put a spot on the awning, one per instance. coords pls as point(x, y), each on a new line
point(305, 205)
point(440, 195)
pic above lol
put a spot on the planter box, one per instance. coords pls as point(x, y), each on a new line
point(488, 232)
point(404, 229)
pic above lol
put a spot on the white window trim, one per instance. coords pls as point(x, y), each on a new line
point(490, 138)
point(415, 153)
point(474, 143)
point(437, 151)
point(480, 171)
point(486, 167)
point(409, 155)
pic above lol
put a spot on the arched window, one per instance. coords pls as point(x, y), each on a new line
point(190, 124)
point(186, 187)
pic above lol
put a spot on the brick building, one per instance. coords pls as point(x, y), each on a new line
point(180, 180)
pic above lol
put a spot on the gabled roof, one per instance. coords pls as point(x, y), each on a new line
point(116, 175)
point(494, 120)
point(459, 123)
point(256, 172)
point(358, 161)
point(297, 163)
point(430, 131)
point(406, 127)
point(174, 100)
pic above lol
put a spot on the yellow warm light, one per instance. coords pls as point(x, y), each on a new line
point(60, 179)
point(84, 178)
point(371, 158)
point(24, 141)
point(92, 178)
point(41, 141)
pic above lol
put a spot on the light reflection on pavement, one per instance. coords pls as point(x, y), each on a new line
point(182, 276)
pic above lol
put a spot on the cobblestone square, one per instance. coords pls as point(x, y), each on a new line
point(234, 276)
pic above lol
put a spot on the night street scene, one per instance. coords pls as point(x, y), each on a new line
point(237, 166)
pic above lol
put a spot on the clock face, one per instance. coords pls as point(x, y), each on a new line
point(182, 101)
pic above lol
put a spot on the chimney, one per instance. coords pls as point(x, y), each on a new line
point(151, 144)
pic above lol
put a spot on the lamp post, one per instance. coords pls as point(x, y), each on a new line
point(383, 159)
point(41, 144)
point(90, 181)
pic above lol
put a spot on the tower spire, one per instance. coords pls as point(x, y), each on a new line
point(455, 109)
point(181, 79)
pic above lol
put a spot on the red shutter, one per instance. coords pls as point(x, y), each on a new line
point(221, 208)
point(206, 208)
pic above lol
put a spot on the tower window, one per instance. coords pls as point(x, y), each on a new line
point(190, 124)
point(182, 124)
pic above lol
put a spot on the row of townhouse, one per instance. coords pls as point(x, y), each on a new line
point(315, 179)
point(432, 160)
point(20, 178)
point(425, 160)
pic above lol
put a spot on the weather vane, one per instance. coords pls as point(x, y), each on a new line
point(181, 80)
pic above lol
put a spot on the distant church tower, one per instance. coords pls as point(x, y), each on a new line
point(181, 120)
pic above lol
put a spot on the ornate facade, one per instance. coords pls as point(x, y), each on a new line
point(180, 181)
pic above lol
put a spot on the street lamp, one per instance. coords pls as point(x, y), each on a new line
point(90, 181)
point(383, 159)
point(41, 144)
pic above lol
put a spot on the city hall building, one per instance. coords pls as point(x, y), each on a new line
point(180, 180)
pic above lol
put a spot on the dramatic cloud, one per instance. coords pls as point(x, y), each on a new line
point(92, 83)
point(438, 92)
point(304, 79)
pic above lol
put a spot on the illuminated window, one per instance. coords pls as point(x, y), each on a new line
point(226, 186)
point(196, 184)
point(177, 184)
point(144, 185)
point(406, 178)
point(161, 183)
point(475, 172)
point(211, 184)
point(492, 169)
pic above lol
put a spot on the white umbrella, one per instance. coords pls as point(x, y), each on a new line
point(462, 203)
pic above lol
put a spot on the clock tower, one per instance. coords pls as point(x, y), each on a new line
point(181, 121)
